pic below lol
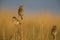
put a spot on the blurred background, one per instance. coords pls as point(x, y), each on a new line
point(39, 17)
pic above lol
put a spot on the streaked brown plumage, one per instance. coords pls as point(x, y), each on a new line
point(54, 32)
point(20, 12)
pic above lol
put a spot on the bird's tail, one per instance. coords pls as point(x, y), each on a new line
point(21, 18)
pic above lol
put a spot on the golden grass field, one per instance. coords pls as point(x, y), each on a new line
point(34, 27)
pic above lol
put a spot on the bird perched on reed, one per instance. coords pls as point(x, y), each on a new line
point(54, 32)
point(15, 20)
point(20, 12)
